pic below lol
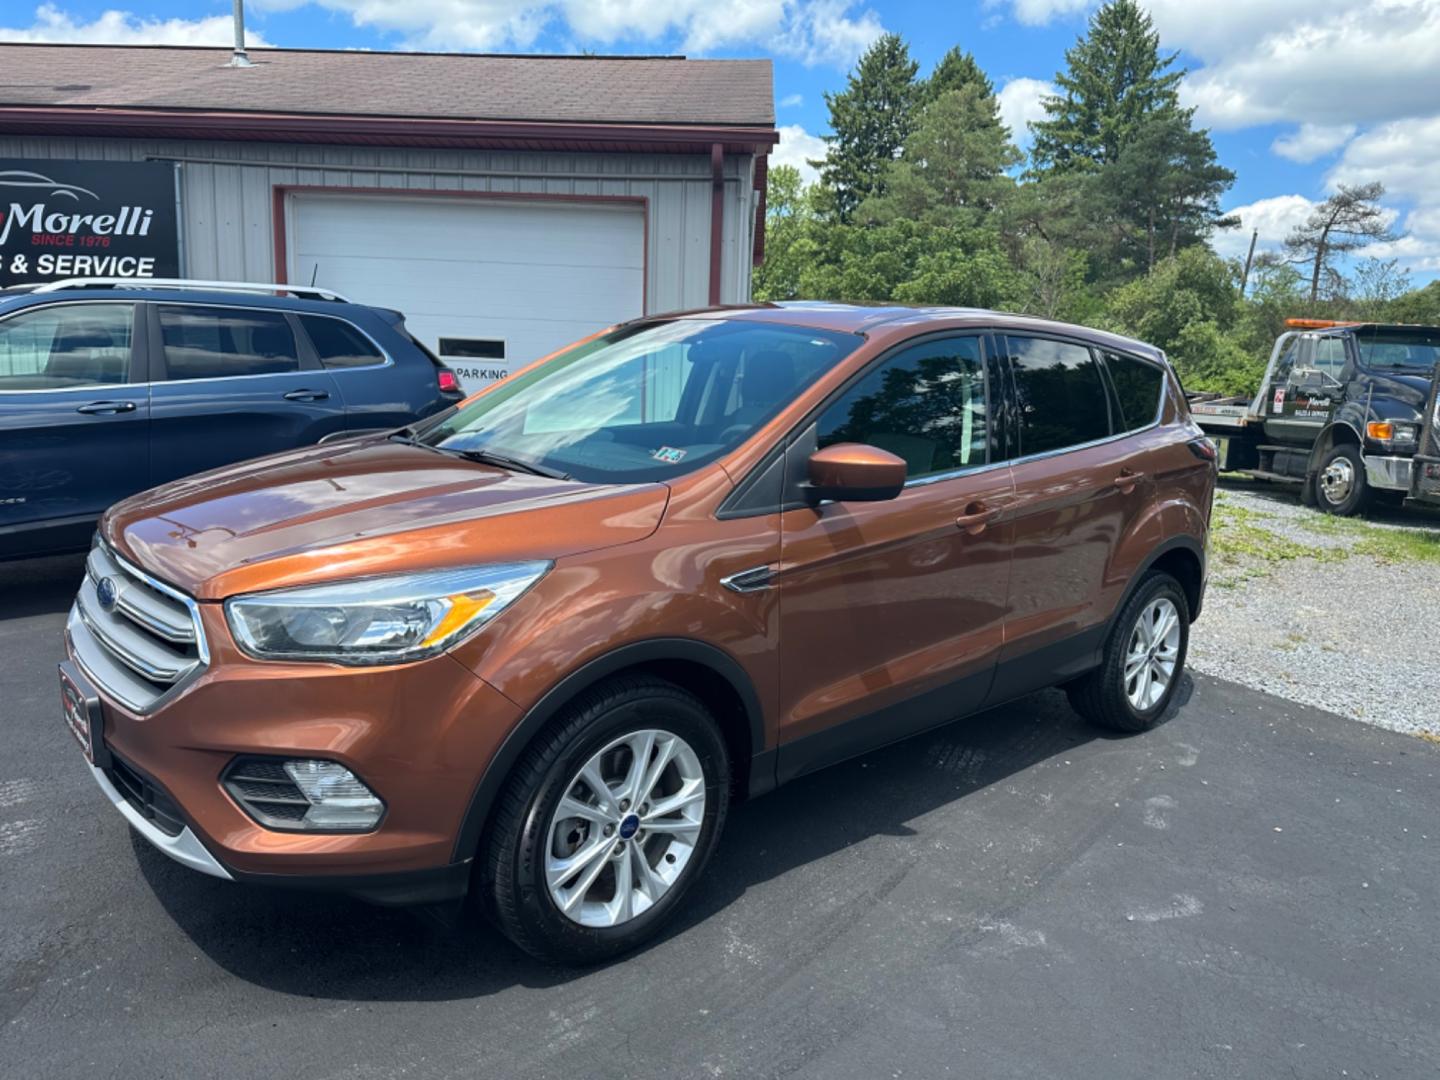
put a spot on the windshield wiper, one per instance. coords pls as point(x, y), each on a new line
point(490, 457)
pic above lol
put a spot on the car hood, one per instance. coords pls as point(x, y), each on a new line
point(362, 508)
point(1411, 389)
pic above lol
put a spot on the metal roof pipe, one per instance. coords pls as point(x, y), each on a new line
point(239, 58)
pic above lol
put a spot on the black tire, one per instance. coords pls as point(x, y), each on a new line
point(1359, 492)
point(1101, 697)
point(512, 861)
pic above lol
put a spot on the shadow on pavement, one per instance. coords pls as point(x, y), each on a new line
point(39, 586)
point(320, 945)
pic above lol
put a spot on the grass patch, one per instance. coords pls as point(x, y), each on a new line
point(1241, 542)
point(1387, 545)
point(1237, 538)
point(1430, 737)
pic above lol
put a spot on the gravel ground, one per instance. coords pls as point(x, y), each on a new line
point(1329, 626)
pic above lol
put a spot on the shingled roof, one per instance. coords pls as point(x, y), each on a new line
point(454, 86)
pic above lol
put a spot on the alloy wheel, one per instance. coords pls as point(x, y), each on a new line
point(625, 828)
point(1150, 659)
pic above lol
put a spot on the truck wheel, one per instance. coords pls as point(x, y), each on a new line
point(606, 822)
point(1143, 661)
point(1340, 486)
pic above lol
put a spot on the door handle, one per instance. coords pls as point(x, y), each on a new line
point(1127, 480)
point(306, 395)
point(977, 515)
point(105, 408)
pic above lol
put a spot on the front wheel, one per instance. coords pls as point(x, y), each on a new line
point(607, 822)
point(1143, 661)
point(1340, 486)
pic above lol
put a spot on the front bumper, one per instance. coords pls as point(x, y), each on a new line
point(419, 734)
point(185, 848)
point(1388, 472)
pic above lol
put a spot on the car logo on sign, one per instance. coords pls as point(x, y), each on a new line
point(106, 592)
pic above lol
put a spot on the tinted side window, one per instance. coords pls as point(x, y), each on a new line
point(1330, 356)
point(1138, 387)
point(338, 344)
point(62, 346)
point(217, 342)
point(1060, 395)
point(926, 404)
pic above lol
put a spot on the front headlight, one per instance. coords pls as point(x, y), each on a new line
point(381, 620)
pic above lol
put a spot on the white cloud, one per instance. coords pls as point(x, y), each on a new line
point(797, 147)
point(1040, 12)
point(52, 24)
point(824, 32)
point(1020, 105)
point(1274, 217)
point(1328, 63)
point(1404, 155)
point(1310, 141)
point(792, 101)
point(811, 31)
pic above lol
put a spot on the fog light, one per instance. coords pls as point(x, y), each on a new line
point(303, 795)
point(338, 800)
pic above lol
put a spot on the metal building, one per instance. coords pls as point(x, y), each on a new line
point(506, 204)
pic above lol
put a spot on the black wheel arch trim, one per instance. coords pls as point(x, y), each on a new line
point(636, 653)
point(1175, 543)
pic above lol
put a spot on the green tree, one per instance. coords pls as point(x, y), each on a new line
point(955, 161)
point(789, 244)
point(870, 120)
point(1115, 78)
point(911, 262)
point(1163, 189)
point(956, 70)
point(1189, 306)
point(1417, 306)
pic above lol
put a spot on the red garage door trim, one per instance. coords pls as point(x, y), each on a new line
point(279, 191)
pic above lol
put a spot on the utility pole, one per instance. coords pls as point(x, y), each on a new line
point(1249, 259)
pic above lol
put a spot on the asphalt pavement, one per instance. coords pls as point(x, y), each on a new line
point(1251, 890)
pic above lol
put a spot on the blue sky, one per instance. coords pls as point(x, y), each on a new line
point(1299, 94)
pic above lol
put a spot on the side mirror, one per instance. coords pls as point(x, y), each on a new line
point(854, 472)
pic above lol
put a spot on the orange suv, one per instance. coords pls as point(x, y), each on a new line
point(533, 647)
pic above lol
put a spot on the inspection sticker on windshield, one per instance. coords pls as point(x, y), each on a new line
point(1280, 399)
point(669, 455)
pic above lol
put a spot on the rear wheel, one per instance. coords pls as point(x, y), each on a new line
point(1340, 486)
point(607, 821)
point(1143, 661)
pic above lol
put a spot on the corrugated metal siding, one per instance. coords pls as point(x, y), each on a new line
point(226, 198)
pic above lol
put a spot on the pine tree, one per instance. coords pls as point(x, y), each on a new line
point(1351, 218)
point(1115, 77)
point(955, 161)
point(870, 120)
point(956, 70)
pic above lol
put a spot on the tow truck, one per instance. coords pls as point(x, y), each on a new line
point(1345, 410)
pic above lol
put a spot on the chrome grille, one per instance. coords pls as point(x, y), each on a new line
point(141, 645)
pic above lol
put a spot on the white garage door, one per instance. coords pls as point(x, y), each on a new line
point(489, 285)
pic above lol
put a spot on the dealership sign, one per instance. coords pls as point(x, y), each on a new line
point(62, 219)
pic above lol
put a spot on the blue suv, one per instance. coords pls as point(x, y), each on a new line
point(109, 388)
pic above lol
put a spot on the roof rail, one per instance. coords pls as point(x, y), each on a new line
point(192, 283)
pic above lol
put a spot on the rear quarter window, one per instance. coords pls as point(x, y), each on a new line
point(338, 344)
point(1138, 386)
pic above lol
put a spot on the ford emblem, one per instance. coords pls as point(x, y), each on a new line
point(106, 592)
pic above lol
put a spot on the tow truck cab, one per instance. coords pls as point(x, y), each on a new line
point(1344, 410)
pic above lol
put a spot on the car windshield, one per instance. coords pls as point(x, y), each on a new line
point(643, 403)
point(1417, 350)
